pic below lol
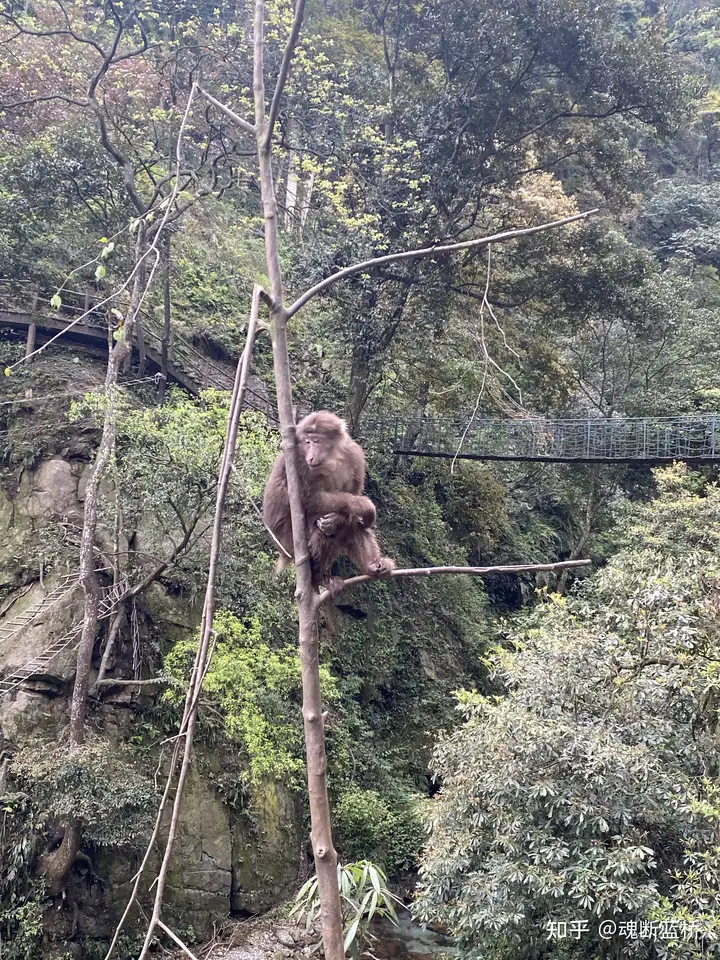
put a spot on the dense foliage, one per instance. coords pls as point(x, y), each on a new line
point(588, 792)
point(95, 783)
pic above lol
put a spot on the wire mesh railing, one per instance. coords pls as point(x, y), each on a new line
point(642, 439)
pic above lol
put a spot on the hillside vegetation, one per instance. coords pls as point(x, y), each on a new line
point(535, 750)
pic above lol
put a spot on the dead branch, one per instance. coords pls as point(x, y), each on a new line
point(203, 656)
point(230, 114)
point(472, 571)
point(185, 949)
point(284, 71)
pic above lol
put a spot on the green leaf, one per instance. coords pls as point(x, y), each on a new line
point(8, 371)
point(56, 301)
point(352, 932)
point(100, 271)
point(107, 250)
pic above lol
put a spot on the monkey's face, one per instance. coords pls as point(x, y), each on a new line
point(319, 451)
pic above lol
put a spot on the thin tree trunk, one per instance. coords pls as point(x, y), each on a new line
point(360, 387)
point(291, 185)
point(587, 529)
point(57, 864)
point(325, 856)
point(109, 647)
point(165, 349)
point(141, 349)
point(304, 206)
point(88, 576)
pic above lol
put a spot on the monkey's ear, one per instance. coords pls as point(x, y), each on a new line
point(344, 426)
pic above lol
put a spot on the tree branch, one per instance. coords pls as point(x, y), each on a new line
point(473, 571)
point(284, 71)
point(366, 265)
point(152, 682)
point(185, 949)
point(230, 114)
point(45, 98)
point(26, 31)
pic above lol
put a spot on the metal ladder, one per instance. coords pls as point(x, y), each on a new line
point(16, 624)
point(108, 604)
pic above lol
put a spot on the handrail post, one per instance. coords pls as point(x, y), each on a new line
point(32, 332)
point(32, 329)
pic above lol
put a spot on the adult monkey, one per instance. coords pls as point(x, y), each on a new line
point(331, 471)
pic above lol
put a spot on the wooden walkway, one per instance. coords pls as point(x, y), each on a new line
point(645, 440)
point(20, 310)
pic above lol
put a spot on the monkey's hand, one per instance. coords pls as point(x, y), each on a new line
point(382, 567)
point(330, 524)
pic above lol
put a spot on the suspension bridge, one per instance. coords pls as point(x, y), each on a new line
point(646, 440)
point(642, 440)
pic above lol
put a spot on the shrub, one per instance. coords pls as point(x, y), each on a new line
point(369, 827)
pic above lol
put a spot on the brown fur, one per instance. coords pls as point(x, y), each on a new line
point(331, 471)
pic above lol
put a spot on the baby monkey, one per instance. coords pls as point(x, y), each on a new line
point(339, 520)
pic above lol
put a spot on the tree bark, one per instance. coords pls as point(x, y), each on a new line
point(56, 865)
